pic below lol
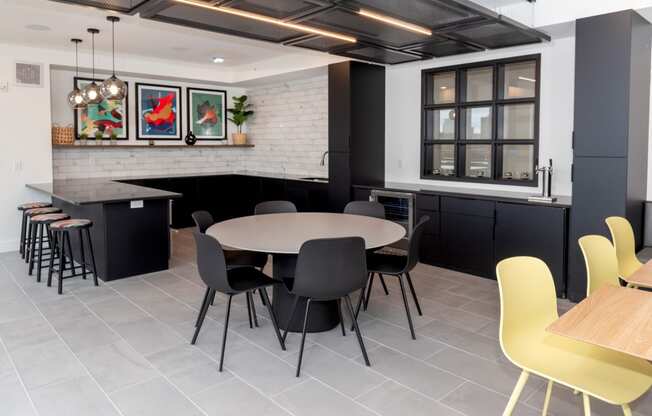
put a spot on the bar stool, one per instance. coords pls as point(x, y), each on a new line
point(40, 224)
point(23, 223)
point(61, 235)
point(29, 213)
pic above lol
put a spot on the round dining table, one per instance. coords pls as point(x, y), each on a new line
point(282, 236)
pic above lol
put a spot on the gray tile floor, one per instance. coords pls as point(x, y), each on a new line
point(123, 349)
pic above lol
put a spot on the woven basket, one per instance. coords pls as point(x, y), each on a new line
point(63, 135)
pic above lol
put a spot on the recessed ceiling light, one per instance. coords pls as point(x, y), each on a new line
point(395, 22)
point(39, 28)
point(262, 18)
point(217, 60)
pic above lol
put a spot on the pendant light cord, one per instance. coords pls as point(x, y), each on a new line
point(93, 42)
point(113, 44)
point(77, 59)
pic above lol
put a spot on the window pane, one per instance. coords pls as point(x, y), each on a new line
point(516, 121)
point(479, 84)
point(443, 88)
point(478, 161)
point(443, 159)
point(518, 161)
point(519, 80)
point(477, 121)
point(442, 124)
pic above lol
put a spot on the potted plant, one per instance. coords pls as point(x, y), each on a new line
point(82, 139)
point(98, 137)
point(240, 112)
point(114, 137)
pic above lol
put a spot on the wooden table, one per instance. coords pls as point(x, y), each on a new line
point(642, 277)
point(613, 317)
point(282, 236)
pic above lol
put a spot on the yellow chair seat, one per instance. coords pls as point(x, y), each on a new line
point(607, 375)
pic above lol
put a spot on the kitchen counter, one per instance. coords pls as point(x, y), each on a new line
point(476, 193)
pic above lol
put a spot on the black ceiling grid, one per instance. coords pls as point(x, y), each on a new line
point(458, 26)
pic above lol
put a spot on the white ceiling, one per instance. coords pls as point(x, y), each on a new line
point(134, 36)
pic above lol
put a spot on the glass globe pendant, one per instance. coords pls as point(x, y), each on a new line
point(91, 92)
point(76, 98)
point(113, 88)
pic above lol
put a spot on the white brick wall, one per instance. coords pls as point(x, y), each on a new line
point(289, 130)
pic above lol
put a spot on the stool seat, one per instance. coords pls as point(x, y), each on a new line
point(31, 205)
point(49, 218)
point(38, 211)
point(67, 224)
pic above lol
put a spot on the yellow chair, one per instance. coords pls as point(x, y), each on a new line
point(601, 262)
point(622, 236)
point(528, 306)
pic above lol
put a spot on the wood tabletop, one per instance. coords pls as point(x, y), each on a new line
point(285, 233)
point(613, 317)
point(642, 277)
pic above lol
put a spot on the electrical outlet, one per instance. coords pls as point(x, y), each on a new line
point(4, 86)
point(18, 165)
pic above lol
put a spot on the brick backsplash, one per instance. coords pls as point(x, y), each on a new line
point(289, 131)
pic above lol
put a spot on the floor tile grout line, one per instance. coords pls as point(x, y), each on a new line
point(198, 349)
point(88, 373)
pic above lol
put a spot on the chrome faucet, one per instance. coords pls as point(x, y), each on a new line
point(323, 158)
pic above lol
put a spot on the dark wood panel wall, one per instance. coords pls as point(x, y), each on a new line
point(611, 120)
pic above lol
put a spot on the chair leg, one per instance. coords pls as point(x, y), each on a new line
point(382, 282)
point(407, 307)
point(90, 251)
point(23, 231)
point(251, 325)
point(62, 262)
point(201, 317)
point(40, 252)
point(303, 337)
point(272, 316)
point(518, 389)
point(203, 304)
point(226, 330)
point(546, 401)
point(294, 309)
point(32, 249)
point(82, 254)
point(587, 404)
point(28, 241)
point(626, 410)
point(414, 293)
point(357, 330)
point(262, 299)
point(368, 295)
point(339, 311)
point(53, 254)
point(253, 308)
point(359, 305)
point(72, 260)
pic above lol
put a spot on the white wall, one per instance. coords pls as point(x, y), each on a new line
point(403, 115)
point(25, 131)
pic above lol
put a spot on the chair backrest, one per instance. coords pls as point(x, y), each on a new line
point(366, 208)
point(330, 268)
point(528, 302)
point(274, 207)
point(601, 262)
point(622, 237)
point(211, 263)
point(203, 220)
point(414, 243)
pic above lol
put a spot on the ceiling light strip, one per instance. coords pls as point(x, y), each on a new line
point(267, 19)
point(395, 22)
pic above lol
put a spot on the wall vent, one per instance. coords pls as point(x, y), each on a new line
point(29, 74)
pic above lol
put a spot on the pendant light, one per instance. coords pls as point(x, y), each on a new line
point(76, 98)
point(92, 90)
point(113, 88)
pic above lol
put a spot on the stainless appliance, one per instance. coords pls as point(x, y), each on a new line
point(399, 208)
point(546, 191)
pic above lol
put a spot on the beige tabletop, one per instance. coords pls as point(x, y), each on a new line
point(642, 277)
point(285, 233)
point(613, 317)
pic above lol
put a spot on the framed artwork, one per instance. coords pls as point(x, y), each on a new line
point(107, 116)
point(207, 113)
point(158, 112)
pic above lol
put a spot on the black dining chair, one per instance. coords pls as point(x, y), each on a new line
point(368, 209)
point(399, 266)
point(234, 258)
point(329, 269)
point(274, 207)
point(231, 282)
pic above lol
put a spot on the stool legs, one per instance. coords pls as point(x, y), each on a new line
point(62, 248)
point(90, 250)
point(40, 252)
point(23, 231)
point(81, 252)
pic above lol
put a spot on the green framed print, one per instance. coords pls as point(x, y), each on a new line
point(207, 113)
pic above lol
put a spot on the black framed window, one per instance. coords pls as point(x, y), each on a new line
point(480, 121)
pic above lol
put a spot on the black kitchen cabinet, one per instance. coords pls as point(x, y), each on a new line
point(536, 231)
point(308, 196)
point(467, 243)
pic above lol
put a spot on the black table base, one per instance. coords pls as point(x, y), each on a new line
point(323, 315)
